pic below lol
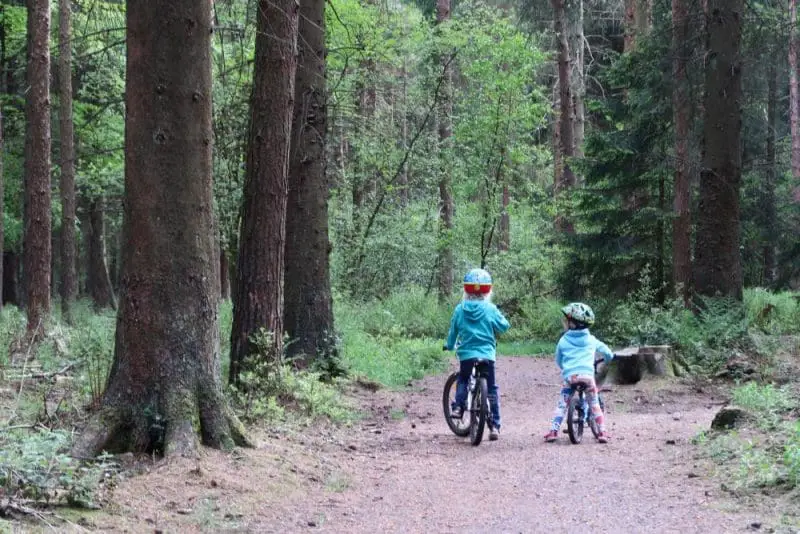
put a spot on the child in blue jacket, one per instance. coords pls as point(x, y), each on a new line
point(575, 354)
point(473, 327)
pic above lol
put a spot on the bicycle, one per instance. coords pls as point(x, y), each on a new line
point(578, 411)
point(477, 404)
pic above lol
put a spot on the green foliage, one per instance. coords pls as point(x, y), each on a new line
point(791, 457)
point(773, 313)
point(34, 466)
point(770, 403)
point(268, 384)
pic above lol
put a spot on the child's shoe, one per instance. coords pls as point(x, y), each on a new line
point(551, 436)
point(494, 434)
point(456, 412)
point(603, 437)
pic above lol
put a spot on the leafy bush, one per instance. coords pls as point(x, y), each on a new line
point(791, 457)
point(772, 313)
point(33, 467)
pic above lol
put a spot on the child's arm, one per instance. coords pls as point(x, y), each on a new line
point(452, 335)
point(500, 323)
point(558, 356)
point(603, 349)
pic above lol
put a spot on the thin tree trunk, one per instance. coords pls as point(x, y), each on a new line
point(259, 294)
point(69, 281)
point(446, 202)
point(718, 267)
point(37, 247)
point(681, 207)
point(768, 209)
point(577, 76)
point(164, 386)
point(309, 304)
point(98, 280)
point(565, 178)
point(794, 92)
point(505, 221)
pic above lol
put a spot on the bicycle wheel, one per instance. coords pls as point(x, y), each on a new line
point(592, 423)
point(575, 417)
point(460, 426)
point(480, 411)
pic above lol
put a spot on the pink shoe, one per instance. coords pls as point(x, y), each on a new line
point(603, 437)
point(551, 436)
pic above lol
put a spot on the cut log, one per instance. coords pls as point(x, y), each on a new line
point(631, 363)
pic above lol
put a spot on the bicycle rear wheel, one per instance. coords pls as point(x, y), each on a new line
point(479, 411)
point(575, 417)
point(460, 426)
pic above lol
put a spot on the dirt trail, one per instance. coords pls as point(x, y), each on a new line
point(408, 473)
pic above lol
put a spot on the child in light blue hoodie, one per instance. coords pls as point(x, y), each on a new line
point(575, 355)
point(473, 327)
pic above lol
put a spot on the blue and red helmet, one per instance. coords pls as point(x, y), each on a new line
point(477, 282)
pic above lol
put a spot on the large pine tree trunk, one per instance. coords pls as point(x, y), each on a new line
point(794, 91)
point(164, 385)
point(718, 267)
point(446, 202)
point(69, 280)
point(2, 210)
point(308, 310)
point(768, 207)
point(37, 247)
point(681, 206)
point(259, 294)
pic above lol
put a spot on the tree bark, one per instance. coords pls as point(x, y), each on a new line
point(769, 209)
point(565, 178)
point(794, 92)
point(446, 202)
point(224, 275)
point(637, 21)
point(69, 281)
point(98, 281)
point(2, 208)
point(681, 206)
point(574, 13)
point(37, 248)
point(718, 267)
point(308, 311)
point(505, 221)
point(259, 294)
point(164, 385)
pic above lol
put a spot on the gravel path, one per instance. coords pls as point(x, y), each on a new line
point(401, 470)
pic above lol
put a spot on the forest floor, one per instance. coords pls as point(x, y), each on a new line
point(399, 469)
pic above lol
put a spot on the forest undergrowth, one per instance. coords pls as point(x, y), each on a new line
point(46, 393)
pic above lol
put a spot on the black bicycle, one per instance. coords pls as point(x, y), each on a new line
point(473, 419)
point(579, 413)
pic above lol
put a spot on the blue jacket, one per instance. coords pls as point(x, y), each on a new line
point(575, 353)
point(473, 326)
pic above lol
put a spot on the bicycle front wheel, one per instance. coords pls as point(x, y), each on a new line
point(459, 426)
point(575, 417)
point(479, 411)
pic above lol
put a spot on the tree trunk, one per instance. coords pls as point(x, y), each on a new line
point(718, 267)
point(98, 280)
point(446, 203)
point(794, 93)
point(37, 248)
point(69, 282)
point(259, 294)
point(11, 291)
point(2, 210)
point(574, 15)
point(769, 209)
point(505, 221)
point(308, 311)
point(224, 275)
point(565, 178)
point(681, 206)
point(637, 21)
point(164, 385)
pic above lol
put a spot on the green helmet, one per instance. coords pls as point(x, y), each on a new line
point(579, 312)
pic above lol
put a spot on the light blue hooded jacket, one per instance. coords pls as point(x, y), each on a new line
point(575, 353)
point(473, 326)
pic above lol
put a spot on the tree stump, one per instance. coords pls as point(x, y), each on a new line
point(631, 363)
point(628, 368)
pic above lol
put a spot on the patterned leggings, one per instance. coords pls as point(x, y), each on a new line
point(592, 398)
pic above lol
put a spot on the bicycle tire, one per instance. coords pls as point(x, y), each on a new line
point(590, 419)
point(575, 417)
point(480, 411)
point(459, 427)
